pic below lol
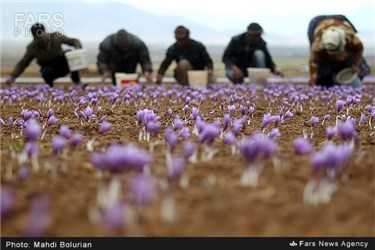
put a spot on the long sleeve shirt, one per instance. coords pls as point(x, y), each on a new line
point(240, 53)
point(195, 53)
point(110, 58)
point(44, 55)
point(353, 46)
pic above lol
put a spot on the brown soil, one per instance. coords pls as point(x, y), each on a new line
point(215, 203)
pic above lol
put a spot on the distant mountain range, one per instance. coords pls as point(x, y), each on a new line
point(93, 21)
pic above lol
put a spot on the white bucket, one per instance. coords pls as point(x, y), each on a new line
point(348, 77)
point(123, 79)
point(77, 59)
point(198, 79)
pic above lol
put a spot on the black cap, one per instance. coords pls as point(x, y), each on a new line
point(37, 30)
point(255, 28)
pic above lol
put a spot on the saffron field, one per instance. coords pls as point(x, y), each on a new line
point(168, 160)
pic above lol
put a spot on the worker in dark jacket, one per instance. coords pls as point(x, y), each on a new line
point(188, 54)
point(47, 49)
point(122, 52)
point(247, 50)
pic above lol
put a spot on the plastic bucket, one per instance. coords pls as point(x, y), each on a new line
point(198, 78)
point(348, 77)
point(77, 59)
point(124, 79)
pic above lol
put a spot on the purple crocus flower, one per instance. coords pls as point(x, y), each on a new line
point(330, 132)
point(302, 146)
point(362, 119)
point(76, 139)
point(251, 110)
point(209, 133)
point(170, 112)
point(288, 114)
point(23, 172)
point(98, 160)
point(65, 131)
point(7, 199)
point(104, 127)
point(32, 131)
point(38, 217)
point(267, 118)
point(2, 122)
point(177, 123)
point(153, 127)
point(130, 156)
point(314, 120)
point(51, 120)
point(176, 168)
point(114, 216)
point(236, 127)
point(332, 158)
point(171, 138)
point(50, 113)
point(10, 121)
point(226, 122)
point(195, 112)
point(346, 130)
point(339, 105)
point(143, 188)
point(229, 139)
point(326, 118)
point(31, 149)
point(58, 143)
point(184, 133)
point(189, 148)
point(274, 133)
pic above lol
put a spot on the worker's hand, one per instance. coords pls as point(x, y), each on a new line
point(9, 80)
point(148, 77)
point(105, 75)
point(278, 73)
point(159, 79)
point(237, 73)
point(356, 69)
point(311, 82)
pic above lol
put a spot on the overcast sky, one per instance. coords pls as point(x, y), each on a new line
point(293, 15)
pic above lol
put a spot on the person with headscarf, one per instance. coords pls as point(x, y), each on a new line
point(334, 45)
point(121, 52)
point(247, 50)
point(188, 54)
point(47, 49)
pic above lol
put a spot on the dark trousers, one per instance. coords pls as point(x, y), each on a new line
point(58, 68)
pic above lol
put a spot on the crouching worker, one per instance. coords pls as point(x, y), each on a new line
point(334, 45)
point(47, 49)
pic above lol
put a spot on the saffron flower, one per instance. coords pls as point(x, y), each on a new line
point(32, 131)
point(143, 188)
point(76, 139)
point(7, 199)
point(58, 143)
point(65, 131)
point(302, 146)
point(38, 217)
point(104, 127)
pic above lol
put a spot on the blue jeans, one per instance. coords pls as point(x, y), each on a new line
point(257, 61)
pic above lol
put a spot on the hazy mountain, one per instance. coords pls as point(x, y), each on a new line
point(92, 22)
